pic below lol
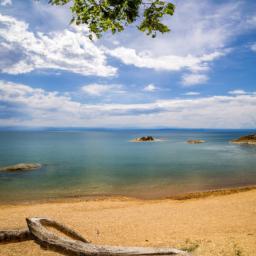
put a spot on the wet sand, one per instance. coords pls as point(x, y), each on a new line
point(207, 223)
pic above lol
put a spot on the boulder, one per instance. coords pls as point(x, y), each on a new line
point(248, 139)
point(145, 138)
point(20, 167)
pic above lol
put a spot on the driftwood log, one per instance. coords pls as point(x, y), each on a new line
point(79, 246)
point(72, 243)
point(7, 236)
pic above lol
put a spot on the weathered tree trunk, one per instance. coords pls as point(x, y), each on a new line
point(80, 247)
point(7, 236)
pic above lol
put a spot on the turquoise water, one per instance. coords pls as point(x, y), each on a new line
point(104, 162)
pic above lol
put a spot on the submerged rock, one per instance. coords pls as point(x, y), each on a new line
point(195, 141)
point(20, 167)
point(248, 139)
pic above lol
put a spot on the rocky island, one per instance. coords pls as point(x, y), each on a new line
point(195, 141)
point(145, 139)
point(248, 139)
point(20, 167)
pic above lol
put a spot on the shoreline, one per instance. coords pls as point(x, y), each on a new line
point(92, 198)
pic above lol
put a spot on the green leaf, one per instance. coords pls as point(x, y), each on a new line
point(102, 16)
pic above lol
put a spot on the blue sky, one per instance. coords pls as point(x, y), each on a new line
point(201, 75)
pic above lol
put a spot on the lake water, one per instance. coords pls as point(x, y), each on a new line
point(104, 162)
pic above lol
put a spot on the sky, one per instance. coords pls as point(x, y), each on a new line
point(200, 75)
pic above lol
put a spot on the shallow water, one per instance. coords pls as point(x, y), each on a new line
point(104, 162)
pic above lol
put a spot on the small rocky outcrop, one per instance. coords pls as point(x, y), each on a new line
point(248, 139)
point(195, 141)
point(20, 167)
point(144, 139)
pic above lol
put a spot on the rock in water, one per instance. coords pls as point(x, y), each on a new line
point(195, 141)
point(248, 139)
point(146, 138)
point(21, 167)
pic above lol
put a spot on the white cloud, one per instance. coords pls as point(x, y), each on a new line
point(58, 17)
point(23, 105)
point(252, 21)
point(253, 47)
point(237, 92)
point(27, 106)
point(5, 2)
point(194, 79)
point(100, 89)
point(192, 93)
point(145, 59)
point(150, 88)
point(23, 51)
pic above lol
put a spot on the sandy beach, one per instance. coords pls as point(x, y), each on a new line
point(207, 224)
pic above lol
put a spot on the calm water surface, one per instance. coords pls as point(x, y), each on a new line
point(88, 163)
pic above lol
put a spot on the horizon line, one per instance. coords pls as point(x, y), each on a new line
point(56, 128)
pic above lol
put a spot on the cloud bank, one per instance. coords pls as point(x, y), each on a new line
point(26, 106)
point(23, 51)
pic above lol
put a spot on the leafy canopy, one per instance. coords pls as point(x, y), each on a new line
point(114, 15)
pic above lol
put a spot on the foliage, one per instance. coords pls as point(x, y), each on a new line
point(114, 15)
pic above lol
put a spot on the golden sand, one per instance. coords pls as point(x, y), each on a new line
point(220, 224)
